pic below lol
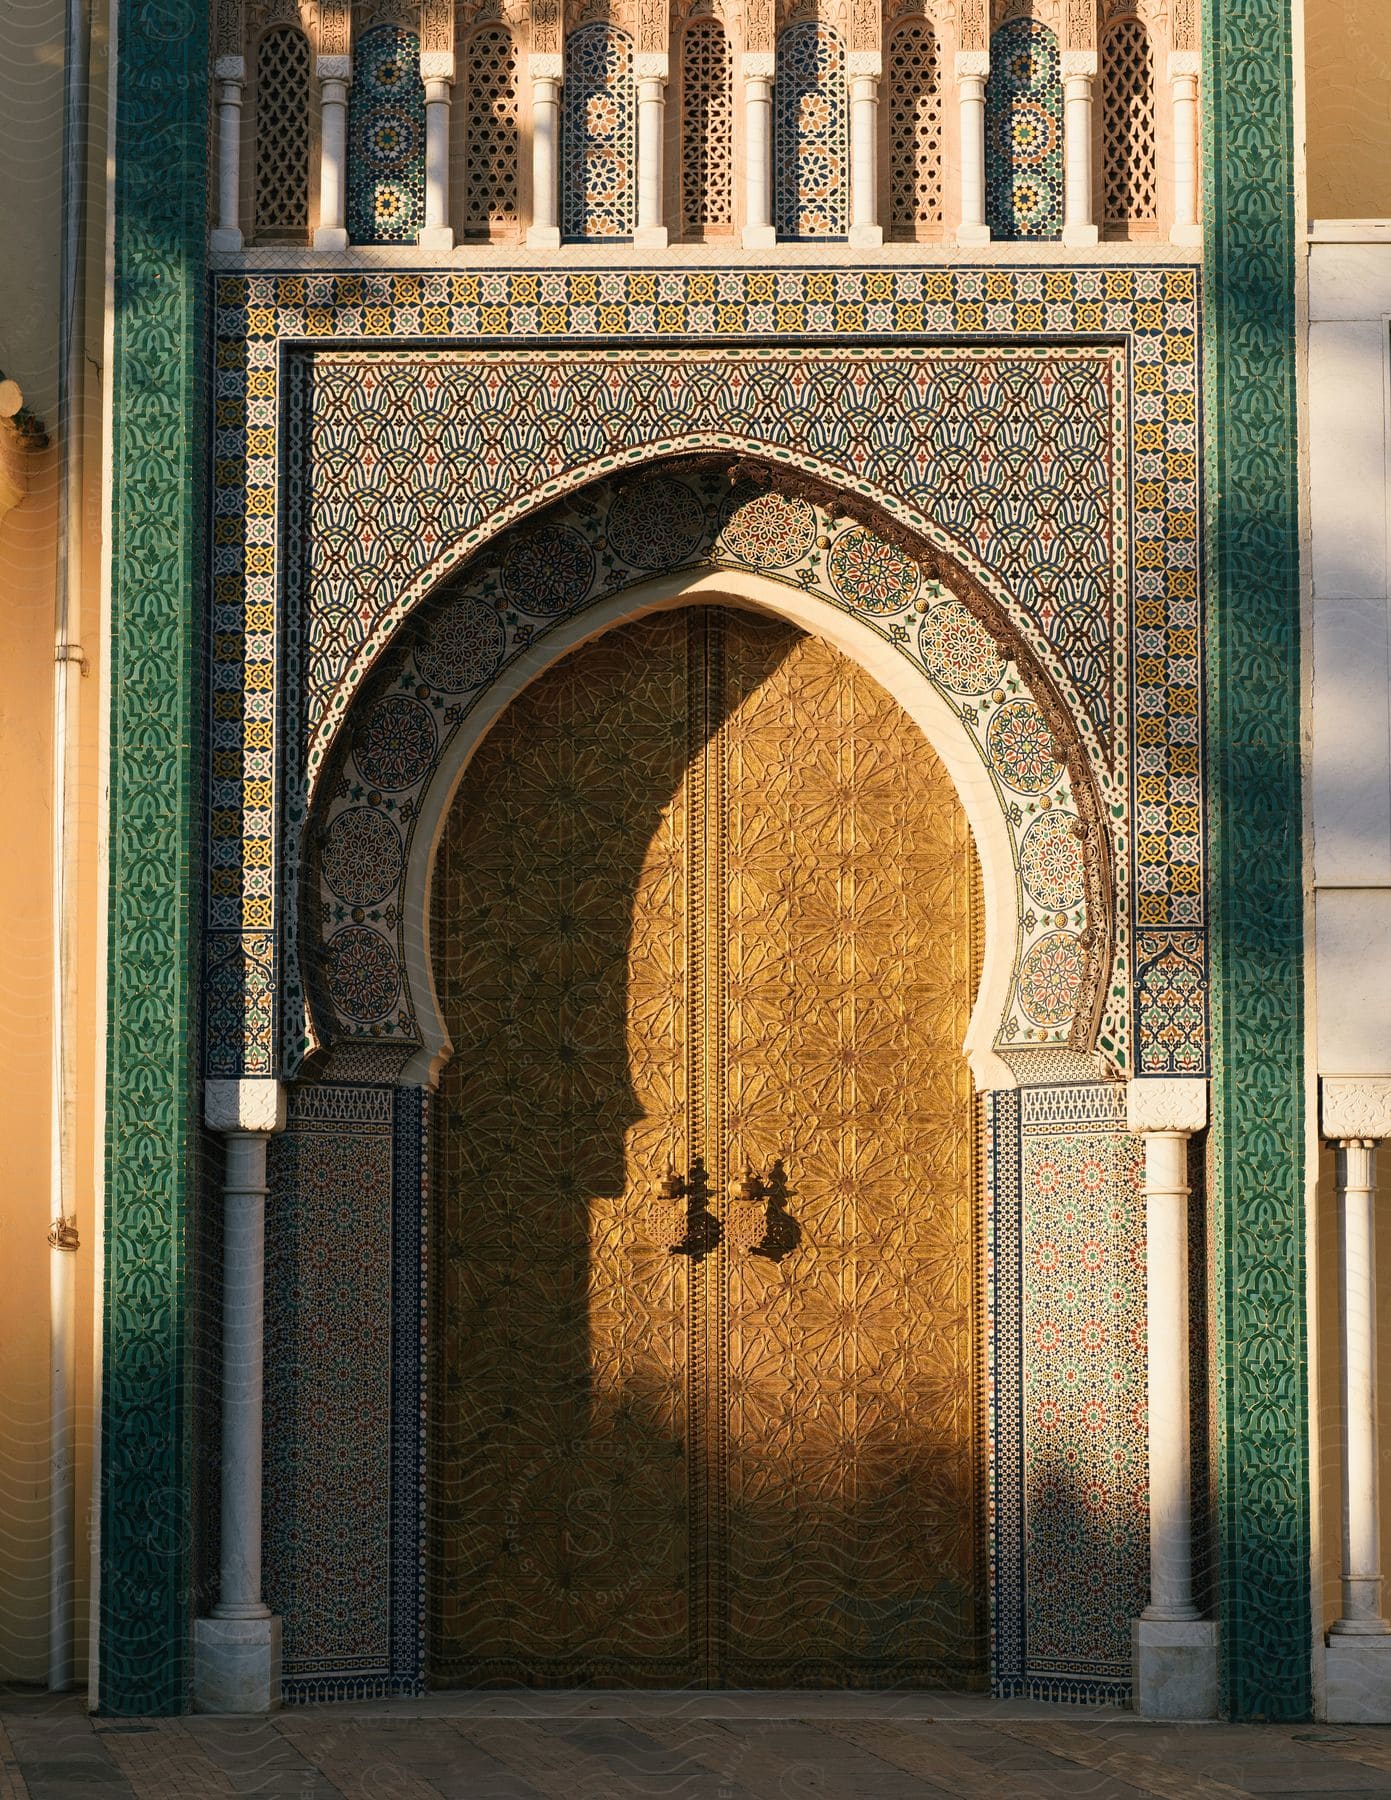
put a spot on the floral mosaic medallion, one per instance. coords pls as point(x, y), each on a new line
point(396, 743)
point(1024, 131)
point(363, 979)
point(873, 575)
point(1050, 861)
point(362, 856)
point(767, 531)
point(1021, 748)
point(1050, 978)
point(386, 134)
point(463, 647)
point(548, 571)
point(656, 524)
point(957, 650)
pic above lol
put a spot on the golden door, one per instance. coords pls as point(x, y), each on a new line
point(704, 1407)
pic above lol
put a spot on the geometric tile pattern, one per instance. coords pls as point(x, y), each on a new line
point(386, 139)
point(1021, 478)
point(810, 148)
point(1024, 134)
point(597, 143)
point(1171, 1002)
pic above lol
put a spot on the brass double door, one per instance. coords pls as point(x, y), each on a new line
point(704, 1407)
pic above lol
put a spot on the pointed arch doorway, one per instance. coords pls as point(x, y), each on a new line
point(705, 1411)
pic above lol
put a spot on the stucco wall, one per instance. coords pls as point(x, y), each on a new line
point(1347, 55)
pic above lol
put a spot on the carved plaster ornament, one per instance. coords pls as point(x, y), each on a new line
point(1356, 1107)
point(437, 28)
point(1183, 25)
point(972, 28)
point(335, 30)
point(545, 27)
point(230, 37)
point(653, 27)
point(866, 24)
point(758, 27)
point(1081, 31)
point(1166, 1104)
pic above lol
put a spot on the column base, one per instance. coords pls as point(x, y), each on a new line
point(1081, 237)
point(759, 237)
point(220, 238)
point(1190, 236)
point(331, 237)
point(543, 237)
point(866, 237)
point(436, 237)
point(650, 237)
point(1174, 1668)
point(1357, 1680)
point(973, 234)
point(236, 1665)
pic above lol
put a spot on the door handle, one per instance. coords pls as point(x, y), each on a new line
point(703, 1230)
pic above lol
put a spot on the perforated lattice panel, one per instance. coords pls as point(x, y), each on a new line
point(1127, 98)
point(810, 150)
point(491, 132)
point(915, 132)
point(597, 134)
point(707, 116)
point(282, 136)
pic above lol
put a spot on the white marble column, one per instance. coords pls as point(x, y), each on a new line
point(650, 71)
point(236, 1665)
point(546, 71)
point(1183, 88)
point(1174, 1650)
point(972, 72)
point(437, 72)
point(1357, 1115)
point(757, 70)
point(1079, 224)
point(334, 73)
point(229, 72)
point(863, 69)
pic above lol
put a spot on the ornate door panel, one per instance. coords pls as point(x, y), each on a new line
point(705, 899)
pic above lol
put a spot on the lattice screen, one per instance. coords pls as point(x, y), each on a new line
point(281, 208)
point(1127, 99)
point(915, 132)
point(491, 132)
point(707, 126)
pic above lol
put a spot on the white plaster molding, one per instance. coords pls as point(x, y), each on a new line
point(1184, 64)
point(863, 62)
point(1356, 1106)
point(230, 68)
point(757, 65)
point(437, 65)
point(1350, 231)
point(547, 65)
point(651, 65)
point(1166, 1104)
point(257, 1105)
point(334, 68)
point(972, 64)
point(1079, 63)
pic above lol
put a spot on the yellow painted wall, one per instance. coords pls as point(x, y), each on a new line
point(1347, 69)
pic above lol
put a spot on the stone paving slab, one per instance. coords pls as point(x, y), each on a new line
point(625, 1746)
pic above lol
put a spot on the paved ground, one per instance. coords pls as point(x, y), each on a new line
point(676, 1747)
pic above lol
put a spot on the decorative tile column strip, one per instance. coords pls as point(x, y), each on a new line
point(972, 72)
point(1261, 1396)
point(334, 73)
point(236, 1662)
point(757, 70)
point(1183, 89)
point(229, 72)
point(546, 72)
point(158, 417)
point(863, 69)
point(1079, 217)
point(437, 73)
point(1174, 1650)
point(1357, 1116)
point(651, 69)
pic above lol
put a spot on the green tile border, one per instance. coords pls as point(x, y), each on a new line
point(157, 560)
point(1252, 459)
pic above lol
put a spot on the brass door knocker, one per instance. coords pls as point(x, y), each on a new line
point(703, 1229)
point(781, 1232)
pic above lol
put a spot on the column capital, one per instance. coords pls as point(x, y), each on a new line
point(1185, 64)
point(864, 63)
point(1356, 1106)
point(334, 68)
point(1167, 1104)
point(651, 65)
point(230, 68)
point(546, 65)
point(1079, 63)
point(972, 65)
point(757, 65)
point(437, 65)
point(231, 1106)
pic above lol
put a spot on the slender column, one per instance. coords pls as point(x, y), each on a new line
point(757, 70)
point(237, 1649)
point(1183, 86)
point(1362, 1614)
point(1079, 72)
point(334, 73)
point(437, 72)
point(1175, 1650)
point(229, 72)
point(546, 74)
point(972, 72)
point(863, 69)
point(650, 71)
